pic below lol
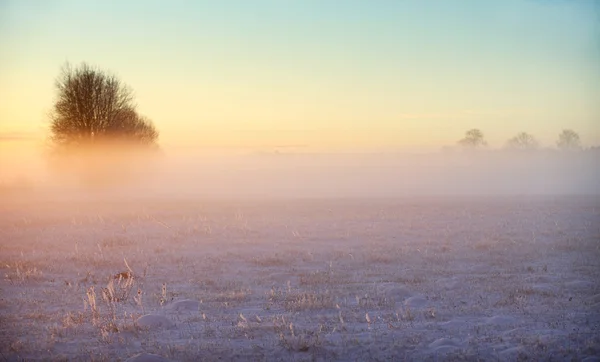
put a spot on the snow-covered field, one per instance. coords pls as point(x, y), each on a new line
point(349, 279)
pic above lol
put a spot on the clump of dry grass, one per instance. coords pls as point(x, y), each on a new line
point(576, 244)
point(405, 314)
point(315, 278)
point(108, 309)
point(429, 313)
point(108, 315)
point(118, 290)
point(274, 260)
point(251, 327)
point(234, 297)
point(116, 242)
point(228, 293)
point(69, 324)
point(296, 339)
point(409, 280)
point(516, 297)
point(72, 319)
point(485, 245)
point(21, 272)
point(381, 257)
point(369, 301)
point(296, 302)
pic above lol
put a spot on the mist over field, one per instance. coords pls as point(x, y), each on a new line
point(385, 175)
point(306, 175)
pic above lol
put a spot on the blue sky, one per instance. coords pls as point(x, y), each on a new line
point(325, 74)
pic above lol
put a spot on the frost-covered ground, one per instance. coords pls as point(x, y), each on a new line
point(403, 279)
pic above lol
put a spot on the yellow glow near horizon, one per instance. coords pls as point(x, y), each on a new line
point(316, 78)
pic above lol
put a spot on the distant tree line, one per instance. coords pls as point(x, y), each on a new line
point(568, 140)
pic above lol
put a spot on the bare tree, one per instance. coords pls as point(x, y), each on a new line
point(523, 141)
point(568, 140)
point(473, 139)
point(96, 130)
point(94, 107)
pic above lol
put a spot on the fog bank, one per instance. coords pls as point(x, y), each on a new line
point(294, 175)
point(384, 175)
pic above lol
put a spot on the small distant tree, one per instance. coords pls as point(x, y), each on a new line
point(523, 141)
point(568, 140)
point(473, 139)
point(94, 107)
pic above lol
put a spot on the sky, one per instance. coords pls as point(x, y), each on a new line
point(314, 75)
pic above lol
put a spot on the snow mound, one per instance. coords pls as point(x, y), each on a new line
point(146, 357)
point(154, 321)
point(595, 299)
point(415, 302)
point(511, 353)
point(444, 345)
point(454, 324)
point(444, 342)
point(579, 284)
point(184, 305)
point(591, 359)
